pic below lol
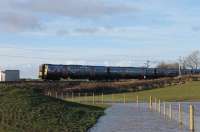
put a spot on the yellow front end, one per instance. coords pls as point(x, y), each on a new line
point(43, 70)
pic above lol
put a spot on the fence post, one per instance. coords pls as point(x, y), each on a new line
point(137, 100)
point(124, 99)
point(180, 114)
point(159, 108)
point(93, 98)
point(170, 111)
point(102, 98)
point(191, 116)
point(155, 104)
point(50, 93)
point(164, 109)
point(150, 102)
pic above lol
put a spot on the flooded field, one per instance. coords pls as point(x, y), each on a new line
point(185, 114)
point(133, 118)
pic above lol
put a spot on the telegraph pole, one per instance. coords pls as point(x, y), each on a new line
point(179, 65)
point(147, 64)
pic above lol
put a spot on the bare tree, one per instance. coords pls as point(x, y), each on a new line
point(193, 60)
point(168, 65)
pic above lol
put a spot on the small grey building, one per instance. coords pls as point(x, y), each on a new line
point(12, 75)
point(2, 76)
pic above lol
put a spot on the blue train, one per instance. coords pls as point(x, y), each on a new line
point(57, 72)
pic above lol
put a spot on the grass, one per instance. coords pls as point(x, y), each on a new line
point(184, 92)
point(23, 108)
point(26, 109)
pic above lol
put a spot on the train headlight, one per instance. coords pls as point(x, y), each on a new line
point(45, 70)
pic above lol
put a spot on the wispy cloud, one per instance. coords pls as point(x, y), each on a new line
point(87, 30)
point(196, 28)
point(13, 19)
point(23, 15)
point(76, 8)
point(16, 22)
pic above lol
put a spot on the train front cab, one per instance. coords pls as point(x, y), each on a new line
point(43, 71)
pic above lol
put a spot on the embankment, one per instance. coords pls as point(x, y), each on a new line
point(25, 108)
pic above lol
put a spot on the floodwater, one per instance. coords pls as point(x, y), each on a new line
point(185, 114)
point(131, 118)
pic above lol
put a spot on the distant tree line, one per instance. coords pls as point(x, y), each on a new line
point(166, 65)
point(192, 61)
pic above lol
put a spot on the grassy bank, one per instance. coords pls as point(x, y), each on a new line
point(184, 92)
point(26, 109)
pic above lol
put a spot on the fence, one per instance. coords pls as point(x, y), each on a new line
point(186, 115)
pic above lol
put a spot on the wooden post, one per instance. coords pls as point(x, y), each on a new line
point(93, 98)
point(150, 102)
point(170, 111)
point(155, 104)
point(137, 100)
point(191, 116)
point(102, 98)
point(50, 93)
point(180, 114)
point(164, 109)
point(159, 107)
point(124, 99)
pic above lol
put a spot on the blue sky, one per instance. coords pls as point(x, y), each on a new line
point(96, 32)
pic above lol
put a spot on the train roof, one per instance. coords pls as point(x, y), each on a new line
point(116, 66)
point(94, 66)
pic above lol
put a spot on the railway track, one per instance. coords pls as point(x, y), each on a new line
point(111, 86)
